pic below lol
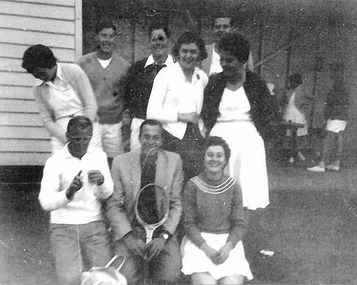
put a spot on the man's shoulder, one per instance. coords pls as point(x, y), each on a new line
point(120, 60)
point(172, 156)
point(86, 58)
point(138, 65)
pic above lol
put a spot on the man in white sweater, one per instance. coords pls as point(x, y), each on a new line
point(74, 181)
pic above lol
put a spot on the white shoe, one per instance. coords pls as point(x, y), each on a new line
point(301, 156)
point(333, 167)
point(291, 160)
point(316, 168)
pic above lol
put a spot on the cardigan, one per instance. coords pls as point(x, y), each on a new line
point(107, 84)
point(264, 108)
point(74, 76)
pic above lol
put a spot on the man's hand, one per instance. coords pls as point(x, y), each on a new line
point(95, 177)
point(188, 117)
point(209, 251)
point(155, 247)
point(76, 184)
point(135, 245)
point(223, 253)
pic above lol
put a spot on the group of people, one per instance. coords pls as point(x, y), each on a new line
point(198, 120)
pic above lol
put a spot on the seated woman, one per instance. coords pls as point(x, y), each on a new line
point(214, 223)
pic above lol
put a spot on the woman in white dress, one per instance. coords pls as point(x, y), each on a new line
point(176, 101)
point(239, 108)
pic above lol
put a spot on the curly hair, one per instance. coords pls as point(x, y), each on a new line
point(236, 44)
point(189, 38)
point(218, 141)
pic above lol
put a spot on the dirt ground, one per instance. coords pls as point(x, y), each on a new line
point(311, 225)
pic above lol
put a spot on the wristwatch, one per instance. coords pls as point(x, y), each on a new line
point(165, 236)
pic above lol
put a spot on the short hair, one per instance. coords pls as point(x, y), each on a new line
point(79, 122)
point(38, 56)
point(158, 25)
point(105, 24)
point(296, 78)
point(189, 38)
point(150, 122)
point(220, 16)
point(218, 141)
point(236, 44)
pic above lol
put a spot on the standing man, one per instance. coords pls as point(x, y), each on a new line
point(141, 75)
point(74, 181)
point(105, 70)
point(221, 25)
point(131, 172)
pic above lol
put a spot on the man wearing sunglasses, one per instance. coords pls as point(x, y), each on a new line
point(141, 75)
point(221, 25)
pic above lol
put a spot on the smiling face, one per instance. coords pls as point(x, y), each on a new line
point(158, 43)
point(188, 56)
point(150, 139)
point(105, 41)
point(78, 141)
point(215, 160)
point(221, 27)
point(233, 69)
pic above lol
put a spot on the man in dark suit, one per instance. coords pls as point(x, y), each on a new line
point(141, 75)
point(132, 171)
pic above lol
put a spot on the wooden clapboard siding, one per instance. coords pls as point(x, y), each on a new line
point(55, 23)
point(15, 132)
point(16, 51)
point(18, 106)
point(16, 92)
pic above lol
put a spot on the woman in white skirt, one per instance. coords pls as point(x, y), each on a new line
point(212, 250)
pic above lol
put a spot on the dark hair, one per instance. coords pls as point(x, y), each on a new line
point(220, 16)
point(236, 44)
point(78, 122)
point(189, 38)
point(105, 24)
point(150, 122)
point(296, 78)
point(38, 56)
point(158, 25)
point(218, 141)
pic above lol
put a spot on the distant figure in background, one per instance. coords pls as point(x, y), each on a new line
point(214, 222)
point(141, 75)
point(221, 25)
point(74, 181)
point(296, 110)
point(63, 91)
point(176, 101)
point(336, 114)
point(105, 69)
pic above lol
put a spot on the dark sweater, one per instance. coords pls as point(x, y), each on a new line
point(264, 107)
point(139, 81)
point(337, 102)
point(213, 213)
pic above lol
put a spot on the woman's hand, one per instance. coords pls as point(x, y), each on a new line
point(223, 253)
point(209, 251)
point(188, 117)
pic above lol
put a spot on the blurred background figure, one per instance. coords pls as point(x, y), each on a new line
point(336, 116)
point(296, 110)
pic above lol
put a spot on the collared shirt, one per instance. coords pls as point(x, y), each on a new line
point(215, 64)
point(172, 94)
point(169, 61)
point(62, 98)
point(59, 171)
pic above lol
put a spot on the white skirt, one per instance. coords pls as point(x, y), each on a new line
point(194, 260)
point(247, 163)
point(335, 126)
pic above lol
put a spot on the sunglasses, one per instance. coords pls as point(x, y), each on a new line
point(159, 38)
